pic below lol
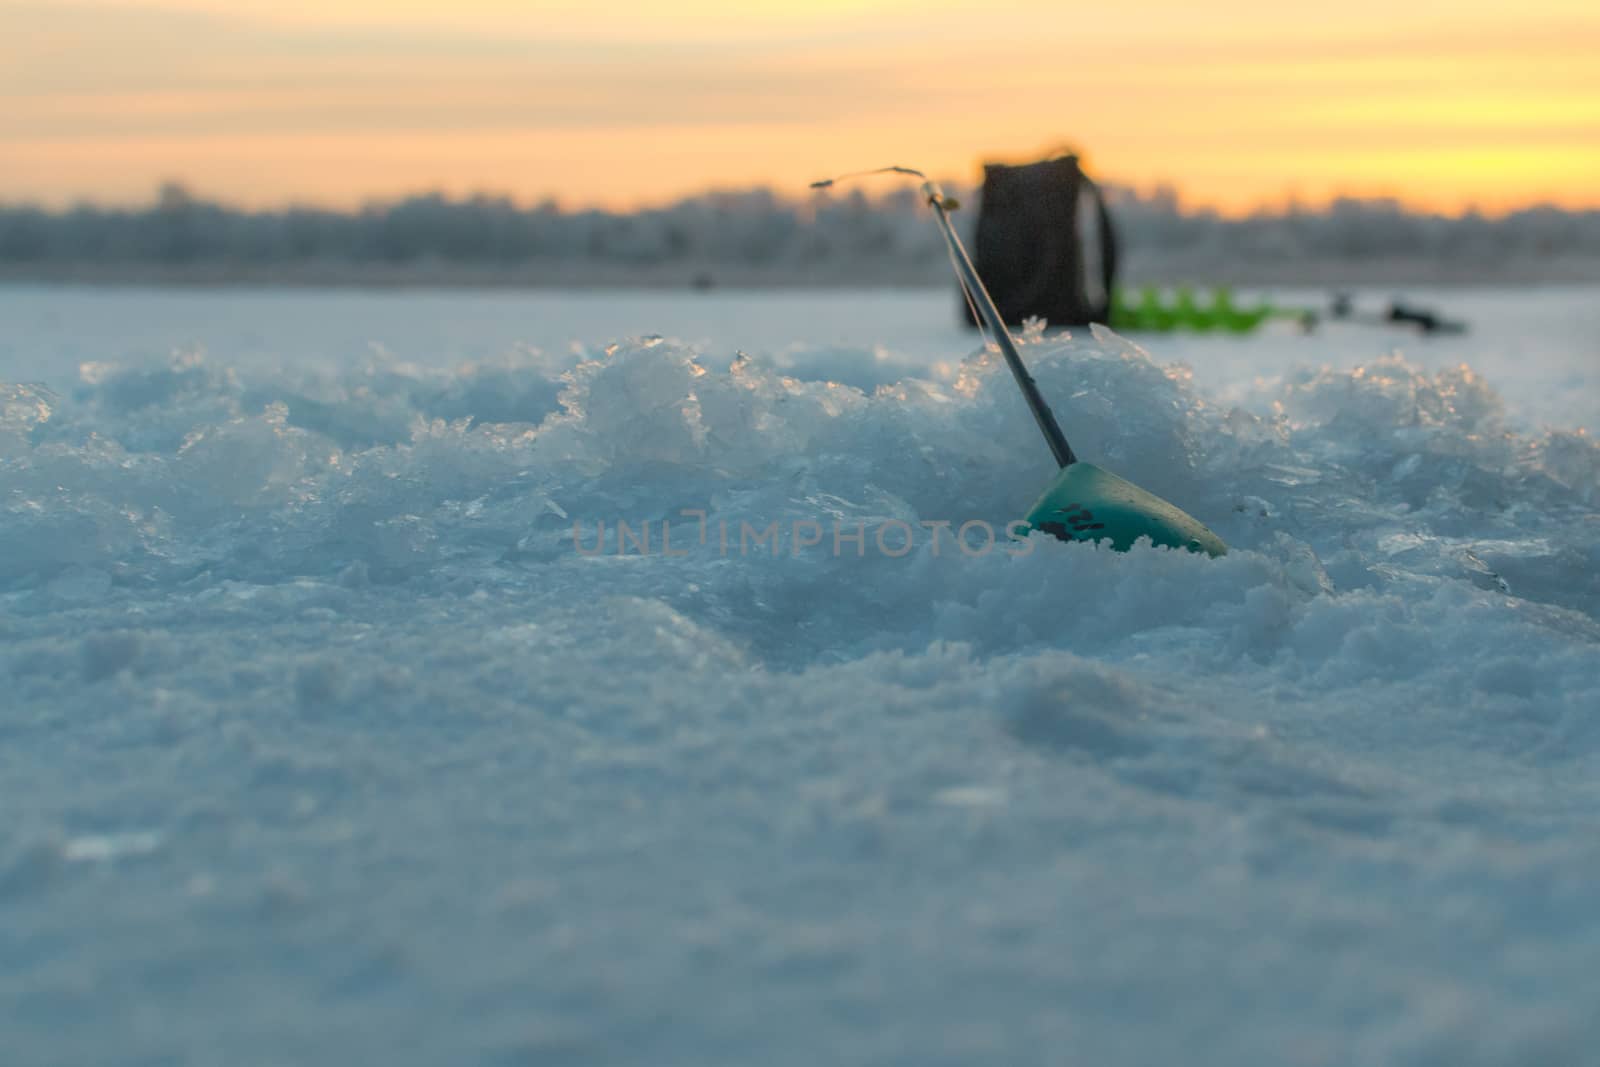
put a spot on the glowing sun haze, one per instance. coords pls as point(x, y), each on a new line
point(622, 102)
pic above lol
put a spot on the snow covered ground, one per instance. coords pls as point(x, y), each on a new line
point(321, 741)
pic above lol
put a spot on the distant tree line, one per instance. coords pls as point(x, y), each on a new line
point(754, 227)
point(1356, 229)
point(852, 233)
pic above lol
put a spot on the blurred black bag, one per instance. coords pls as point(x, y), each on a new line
point(1030, 248)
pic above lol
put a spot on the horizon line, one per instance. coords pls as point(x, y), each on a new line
point(1288, 202)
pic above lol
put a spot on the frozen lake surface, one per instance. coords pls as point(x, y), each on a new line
point(1540, 347)
point(322, 741)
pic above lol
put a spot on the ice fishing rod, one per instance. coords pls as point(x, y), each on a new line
point(983, 303)
point(1083, 502)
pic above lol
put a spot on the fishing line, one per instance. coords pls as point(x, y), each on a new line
point(824, 183)
point(972, 304)
point(950, 204)
point(986, 311)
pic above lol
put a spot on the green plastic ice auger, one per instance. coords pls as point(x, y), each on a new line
point(1150, 314)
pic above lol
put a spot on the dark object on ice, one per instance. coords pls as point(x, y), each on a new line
point(1031, 249)
point(1426, 321)
point(1397, 314)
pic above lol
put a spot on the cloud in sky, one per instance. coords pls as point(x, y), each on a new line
point(628, 101)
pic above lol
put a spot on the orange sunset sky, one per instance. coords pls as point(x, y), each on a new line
point(623, 102)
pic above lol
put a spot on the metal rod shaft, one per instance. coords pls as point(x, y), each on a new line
point(991, 316)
